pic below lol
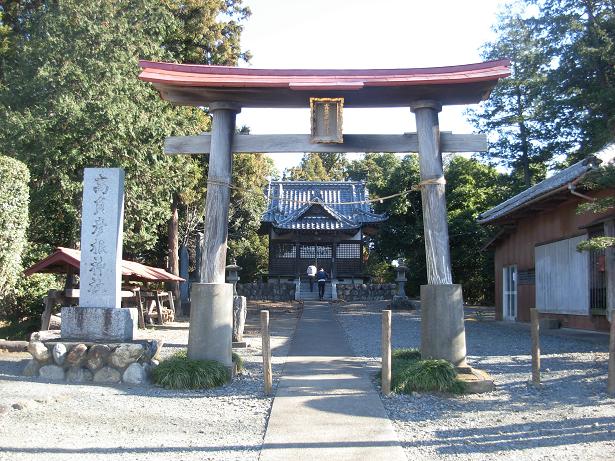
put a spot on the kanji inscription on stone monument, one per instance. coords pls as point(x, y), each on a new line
point(101, 237)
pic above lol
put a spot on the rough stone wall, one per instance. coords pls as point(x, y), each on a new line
point(366, 292)
point(267, 291)
point(77, 362)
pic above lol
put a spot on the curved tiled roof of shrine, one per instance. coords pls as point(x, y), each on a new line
point(193, 84)
point(319, 205)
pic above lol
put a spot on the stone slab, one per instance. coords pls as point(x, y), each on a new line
point(98, 324)
point(101, 238)
point(476, 381)
point(442, 323)
point(326, 406)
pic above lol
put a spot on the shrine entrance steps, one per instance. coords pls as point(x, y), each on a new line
point(306, 295)
point(326, 406)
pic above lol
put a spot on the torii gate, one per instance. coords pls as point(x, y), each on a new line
point(225, 90)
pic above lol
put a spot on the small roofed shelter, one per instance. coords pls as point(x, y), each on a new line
point(67, 260)
point(323, 223)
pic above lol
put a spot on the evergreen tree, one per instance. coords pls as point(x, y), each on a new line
point(580, 44)
point(521, 136)
point(311, 168)
point(72, 99)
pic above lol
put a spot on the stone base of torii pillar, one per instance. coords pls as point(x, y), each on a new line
point(442, 329)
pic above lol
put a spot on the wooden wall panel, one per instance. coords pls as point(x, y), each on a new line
point(562, 277)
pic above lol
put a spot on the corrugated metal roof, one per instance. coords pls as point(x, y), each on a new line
point(553, 183)
point(318, 205)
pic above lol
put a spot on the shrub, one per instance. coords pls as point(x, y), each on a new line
point(22, 307)
point(411, 374)
point(180, 372)
point(14, 199)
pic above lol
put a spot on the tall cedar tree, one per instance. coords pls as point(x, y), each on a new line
point(514, 115)
point(580, 43)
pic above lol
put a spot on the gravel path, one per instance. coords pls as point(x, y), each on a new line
point(570, 418)
point(53, 421)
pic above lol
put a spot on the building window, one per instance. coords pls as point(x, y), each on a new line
point(510, 292)
point(597, 275)
point(315, 252)
point(285, 251)
point(348, 251)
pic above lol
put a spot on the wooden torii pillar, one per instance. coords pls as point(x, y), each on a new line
point(211, 313)
point(442, 326)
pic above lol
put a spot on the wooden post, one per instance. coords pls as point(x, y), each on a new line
point(609, 256)
point(535, 347)
point(386, 352)
point(611, 380)
point(432, 194)
point(158, 307)
point(173, 243)
point(171, 302)
point(213, 259)
point(140, 316)
point(266, 352)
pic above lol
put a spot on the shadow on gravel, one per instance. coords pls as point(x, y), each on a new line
point(522, 436)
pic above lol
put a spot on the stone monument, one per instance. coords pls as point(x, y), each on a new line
point(99, 316)
point(240, 309)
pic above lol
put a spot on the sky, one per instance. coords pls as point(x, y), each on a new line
point(362, 34)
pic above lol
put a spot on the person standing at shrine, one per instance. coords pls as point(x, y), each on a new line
point(321, 276)
point(311, 273)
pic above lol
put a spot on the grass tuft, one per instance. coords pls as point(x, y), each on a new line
point(406, 354)
point(180, 372)
point(411, 374)
point(238, 361)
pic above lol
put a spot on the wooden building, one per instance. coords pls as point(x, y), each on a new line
point(536, 259)
point(318, 222)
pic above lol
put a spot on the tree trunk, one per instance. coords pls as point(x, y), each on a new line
point(525, 154)
point(173, 243)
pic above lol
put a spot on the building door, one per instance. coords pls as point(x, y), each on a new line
point(319, 254)
point(510, 293)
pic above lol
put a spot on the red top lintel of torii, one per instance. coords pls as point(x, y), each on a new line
point(192, 84)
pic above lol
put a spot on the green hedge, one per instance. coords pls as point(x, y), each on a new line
point(14, 199)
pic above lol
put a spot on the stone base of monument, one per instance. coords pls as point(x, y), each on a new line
point(404, 303)
point(211, 322)
point(95, 362)
point(98, 323)
point(442, 327)
point(240, 311)
point(475, 381)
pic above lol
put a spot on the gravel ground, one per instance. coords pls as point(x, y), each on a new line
point(53, 421)
point(570, 418)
